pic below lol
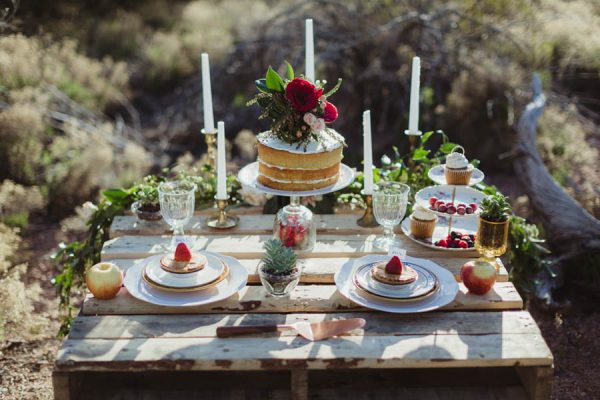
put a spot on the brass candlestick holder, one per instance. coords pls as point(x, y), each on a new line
point(368, 219)
point(222, 220)
point(210, 137)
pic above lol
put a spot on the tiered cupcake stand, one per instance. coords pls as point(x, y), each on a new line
point(466, 194)
point(248, 177)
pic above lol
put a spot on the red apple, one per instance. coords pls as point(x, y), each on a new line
point(478, 276)
point(104, 280)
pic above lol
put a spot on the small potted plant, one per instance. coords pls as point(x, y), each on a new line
point(147, 205)
point(492, 230)
point(279, 270)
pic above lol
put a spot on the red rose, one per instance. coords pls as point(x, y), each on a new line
point(330, 113)
point(302, 94)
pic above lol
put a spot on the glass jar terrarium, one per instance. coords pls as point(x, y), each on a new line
point(492, 238)
point(279, 284)
point(295, 227)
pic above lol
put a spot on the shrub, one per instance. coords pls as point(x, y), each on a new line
point(17, 201)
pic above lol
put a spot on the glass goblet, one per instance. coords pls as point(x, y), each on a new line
point(177, 206)
point(389, 207)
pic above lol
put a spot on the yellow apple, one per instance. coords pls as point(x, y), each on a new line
point(104, 280)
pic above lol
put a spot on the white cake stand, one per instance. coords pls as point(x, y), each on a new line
point(248, 176)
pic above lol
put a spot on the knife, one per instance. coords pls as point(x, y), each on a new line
point(312, 332)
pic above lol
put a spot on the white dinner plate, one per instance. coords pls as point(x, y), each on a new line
point(437, 175)
point(235, 281)
point(443, 295)
point(464, 194)
point(248, 177)
point(210, 273)
point(467, 226)
point(424, 285)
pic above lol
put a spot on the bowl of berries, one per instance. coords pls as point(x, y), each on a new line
point(446, 200)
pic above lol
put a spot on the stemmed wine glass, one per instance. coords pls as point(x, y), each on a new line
point(389, 207)
point(177, 206)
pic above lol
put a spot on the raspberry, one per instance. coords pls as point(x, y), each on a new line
point(442, 243)
point(462, 244)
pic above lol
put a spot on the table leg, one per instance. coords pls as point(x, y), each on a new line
point(65, 385)
point(299, 384)
point(537, 381)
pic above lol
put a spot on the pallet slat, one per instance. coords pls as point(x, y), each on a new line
point(174, 326)
point(285, 352)
point(251, 246)
point(249, 225)
point(305, 298)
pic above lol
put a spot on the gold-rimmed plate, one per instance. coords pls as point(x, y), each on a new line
point(158, 286)
point(212, 270)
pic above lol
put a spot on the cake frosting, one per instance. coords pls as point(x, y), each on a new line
point(456, 160)
point(329, 140)
point(423, 214)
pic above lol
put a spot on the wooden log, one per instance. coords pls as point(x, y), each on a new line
point(378, 324)
point(322, 270)
point(305, 298)
point(569, 228)
point(251, 246)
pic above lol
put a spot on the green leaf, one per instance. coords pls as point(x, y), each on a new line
point(115, 194)
point(425, 137)
point(290, 71)
point(420, 154)
point(335, 88)
point(261, 84)
point(274, 81)
point(447, 147)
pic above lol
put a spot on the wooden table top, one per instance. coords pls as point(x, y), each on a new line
point(125, 334)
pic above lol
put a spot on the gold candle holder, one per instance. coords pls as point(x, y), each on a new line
point(222, 220)
point(210, 137)
point(368, 219)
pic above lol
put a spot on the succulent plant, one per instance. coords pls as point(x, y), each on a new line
point(495, 208)
point(278, 259)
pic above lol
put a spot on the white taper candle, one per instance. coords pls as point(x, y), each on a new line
point(221, 162)
point(209, 121)
point(368, 153)
point(413, 117)
point(310, 51)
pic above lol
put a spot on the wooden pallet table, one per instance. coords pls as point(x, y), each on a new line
point(477, 347)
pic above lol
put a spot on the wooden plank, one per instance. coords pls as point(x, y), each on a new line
point(249, 225)
point(251, 246)
point(322, 270)
point(537, 381)
point(299, 384)
point(287, 352)
point(305, 298)
point(194, 325)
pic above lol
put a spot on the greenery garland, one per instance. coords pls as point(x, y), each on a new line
point(526, 254)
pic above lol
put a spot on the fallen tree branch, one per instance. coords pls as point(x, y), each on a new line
point(570, 230)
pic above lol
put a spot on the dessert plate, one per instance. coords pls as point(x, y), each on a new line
point(186, 289)
point(233, 283)
point(424, 285)
point(464, 194)
point(213, 269)
point(444, 294)
point(467, 226)
point(437, 175)
point(249, 173)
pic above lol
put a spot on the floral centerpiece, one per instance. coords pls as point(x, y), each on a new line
point(298, 108)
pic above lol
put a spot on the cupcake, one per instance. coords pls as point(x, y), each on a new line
point(422, 223)
point(457, 170)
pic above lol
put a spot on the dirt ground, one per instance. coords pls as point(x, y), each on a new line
point(26, 367)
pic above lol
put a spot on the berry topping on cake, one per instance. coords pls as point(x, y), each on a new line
point(394, 266)
point(182, 253)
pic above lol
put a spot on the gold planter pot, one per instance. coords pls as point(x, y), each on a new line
point(492, 238)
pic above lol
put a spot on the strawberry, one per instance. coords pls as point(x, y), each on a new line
point(182, 253)
point(394, 266)
point(432, 201)
point(442, 243)
point(285, 233)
